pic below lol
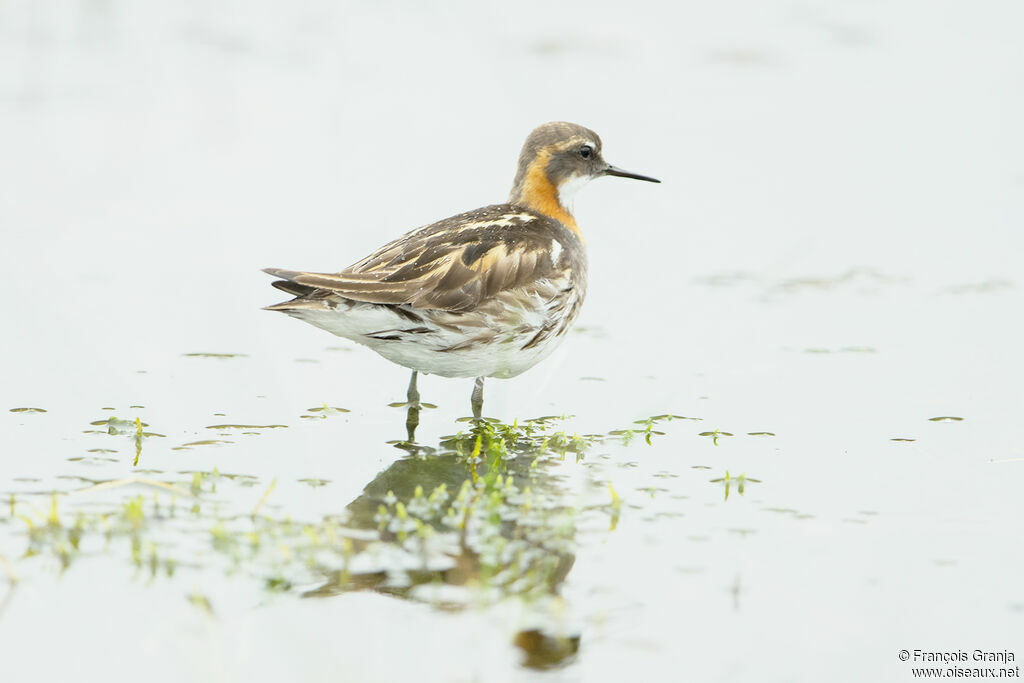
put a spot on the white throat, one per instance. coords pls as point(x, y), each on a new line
point(568, 189)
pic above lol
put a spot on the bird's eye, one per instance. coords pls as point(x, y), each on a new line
point(586, 151)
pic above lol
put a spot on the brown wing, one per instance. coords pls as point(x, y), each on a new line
point(454, 264)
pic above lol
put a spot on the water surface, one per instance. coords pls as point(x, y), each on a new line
point(782, 444)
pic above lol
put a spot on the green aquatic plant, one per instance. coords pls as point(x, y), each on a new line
point(324, 411)
point(483, 512)
point(740, 482)
point(647, 431)
point(59, 535)
point(715, 435)
point(133, 428)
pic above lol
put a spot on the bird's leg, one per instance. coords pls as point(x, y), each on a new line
point(413, 394)
point(412, 421)
point(412, 416)
point(478, 397)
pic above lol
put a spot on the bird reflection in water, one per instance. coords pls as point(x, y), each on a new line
point(484, 514)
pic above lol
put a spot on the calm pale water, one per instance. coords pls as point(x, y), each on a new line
point(827, 286)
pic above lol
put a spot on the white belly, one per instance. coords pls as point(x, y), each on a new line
point(502, 338)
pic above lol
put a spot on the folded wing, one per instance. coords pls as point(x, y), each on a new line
point(452, 265)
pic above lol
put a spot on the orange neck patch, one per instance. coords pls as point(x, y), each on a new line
point(541, 195)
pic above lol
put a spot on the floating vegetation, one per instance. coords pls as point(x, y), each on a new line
point(668, 418)
point(739, 482)
point(133, 428)
point(715, 435)
point(91, 459)
point(204, 442)
point(28, 410)
point(243, 479)
point(478, 514)
point(899, 438)
point(945, 418)
point(247, 426)
point(117, 426)
point(648, 430)
point(760, 433)
point(323, 411)
point(214, 355)
point(406, 404)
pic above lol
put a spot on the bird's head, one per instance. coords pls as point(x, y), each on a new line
point(558, 158)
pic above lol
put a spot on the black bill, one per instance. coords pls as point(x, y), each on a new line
point(612, 170)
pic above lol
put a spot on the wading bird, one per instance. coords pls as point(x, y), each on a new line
point(486, 293)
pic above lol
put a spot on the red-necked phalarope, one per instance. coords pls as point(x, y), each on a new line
point(486, 293)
